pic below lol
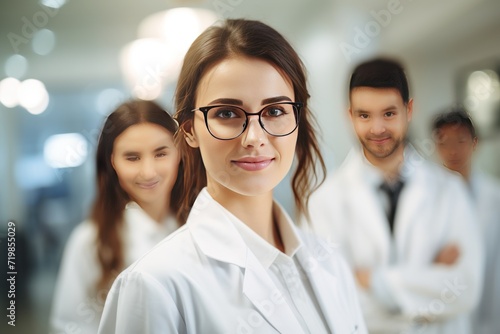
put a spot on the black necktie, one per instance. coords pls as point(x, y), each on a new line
point(392, 192)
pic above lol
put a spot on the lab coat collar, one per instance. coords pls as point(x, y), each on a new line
point(226, 243)
point(265, 252)
point(139, 222)
point(213, 231)
point(371, 174)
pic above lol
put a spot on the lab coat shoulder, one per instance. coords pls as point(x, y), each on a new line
point(487, 186)
point(173, 289)
point(144, 296)
point(78, 272)
point(79, 262)
point(83, 237)
point(432, 174)
point(328, 205)
point(167, 253)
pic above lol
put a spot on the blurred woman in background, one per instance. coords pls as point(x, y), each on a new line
point(139, 182)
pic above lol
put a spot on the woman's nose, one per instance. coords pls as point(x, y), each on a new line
point(254, 134)
point(148, 169)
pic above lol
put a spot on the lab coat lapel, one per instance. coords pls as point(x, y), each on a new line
point(223, 243)
point(334, 306)
point(265, 296)
point(325, 287)
point(365, 208)
point(414, 200)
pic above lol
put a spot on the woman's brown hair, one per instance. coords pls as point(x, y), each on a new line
point(257, 40)
point(109, 205)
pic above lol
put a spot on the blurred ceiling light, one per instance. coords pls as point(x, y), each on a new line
point(482, 84)
point(483, 97)
point(16, 66)
point(43, 42)
point(53, 3)
point(9, 88)
point(65, 150)
point(319, 51)
point(155, 59)
point(145, 65)
point(33, 96)
point(108, 100)
point(178, 27)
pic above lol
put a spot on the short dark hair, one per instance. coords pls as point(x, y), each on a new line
point(454, 116)
point(381, 73)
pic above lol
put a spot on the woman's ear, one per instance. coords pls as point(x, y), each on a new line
point(190, 137)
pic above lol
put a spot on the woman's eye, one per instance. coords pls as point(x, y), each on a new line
point(225, 113)
point(363, 116)
point(132, 158)
point(389, 114)
point(161, 155)
point(274, 111)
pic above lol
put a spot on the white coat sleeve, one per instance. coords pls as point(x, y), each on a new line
point(74, 308)
point(138, 303)
point(438, 291)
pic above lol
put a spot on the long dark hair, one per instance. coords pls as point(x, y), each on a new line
point(257, 40)
point(109, 205)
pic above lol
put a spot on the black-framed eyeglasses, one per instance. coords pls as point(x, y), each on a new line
point(226, 122)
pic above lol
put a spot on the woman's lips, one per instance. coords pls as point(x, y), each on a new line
point(253, 164)
point(147, 185)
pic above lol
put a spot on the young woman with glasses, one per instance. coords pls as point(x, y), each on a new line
point(240, 265)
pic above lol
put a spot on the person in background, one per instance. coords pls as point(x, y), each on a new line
point(405, 225)
point(241, 264)
point(139, 187)
point(456, 141)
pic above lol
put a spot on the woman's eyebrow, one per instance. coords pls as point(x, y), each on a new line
point(227, 101)
point(161, 148)
point(237, 102)
point(127, 153)
point(276, 99)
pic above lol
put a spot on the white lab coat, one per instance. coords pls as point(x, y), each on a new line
point(77, 306)
point(486, 193)
point(408, 293)
point(205, 279)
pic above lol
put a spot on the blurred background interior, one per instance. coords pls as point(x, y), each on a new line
point(65, 64)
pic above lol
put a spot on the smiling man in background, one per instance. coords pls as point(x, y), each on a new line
point(405, 225)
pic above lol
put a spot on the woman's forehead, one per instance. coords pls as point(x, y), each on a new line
point(243, 78)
